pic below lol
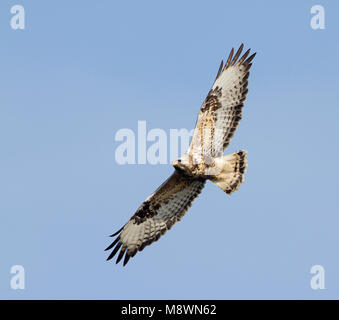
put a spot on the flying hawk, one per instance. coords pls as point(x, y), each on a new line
point(217, 121)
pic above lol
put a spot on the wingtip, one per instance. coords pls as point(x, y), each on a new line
point(113, 253)
point(127, 257)
point(228, 61)
point(116, 233)
point(249, 59)
point(220, 69)
point(113, 244)
point(121, 254)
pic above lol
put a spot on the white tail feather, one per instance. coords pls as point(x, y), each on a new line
point(231, 169)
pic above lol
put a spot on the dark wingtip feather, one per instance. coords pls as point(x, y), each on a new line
point(127, 257)
point(220, 69)
point(237, 54)
point(114, 234)
point(248, 67)
point(121, 254)
point(241, 60)
point(229, 59)
point(117, 247)
point(247, 61)
point(113, 244)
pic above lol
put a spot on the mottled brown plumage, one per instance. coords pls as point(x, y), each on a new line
point(217, 121)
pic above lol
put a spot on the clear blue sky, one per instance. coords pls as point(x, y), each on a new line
point(81, 70)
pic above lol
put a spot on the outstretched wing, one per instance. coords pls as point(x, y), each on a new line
point(220, 113)
point(156, 215)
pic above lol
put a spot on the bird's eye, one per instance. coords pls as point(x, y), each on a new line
point(179, 160)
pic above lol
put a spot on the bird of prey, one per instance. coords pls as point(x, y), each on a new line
point(217, 121)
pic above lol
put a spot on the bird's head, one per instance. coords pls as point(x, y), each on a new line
point(177, 163)
point(181, 165)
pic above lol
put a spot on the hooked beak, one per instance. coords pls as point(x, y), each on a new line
point(177, 163)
